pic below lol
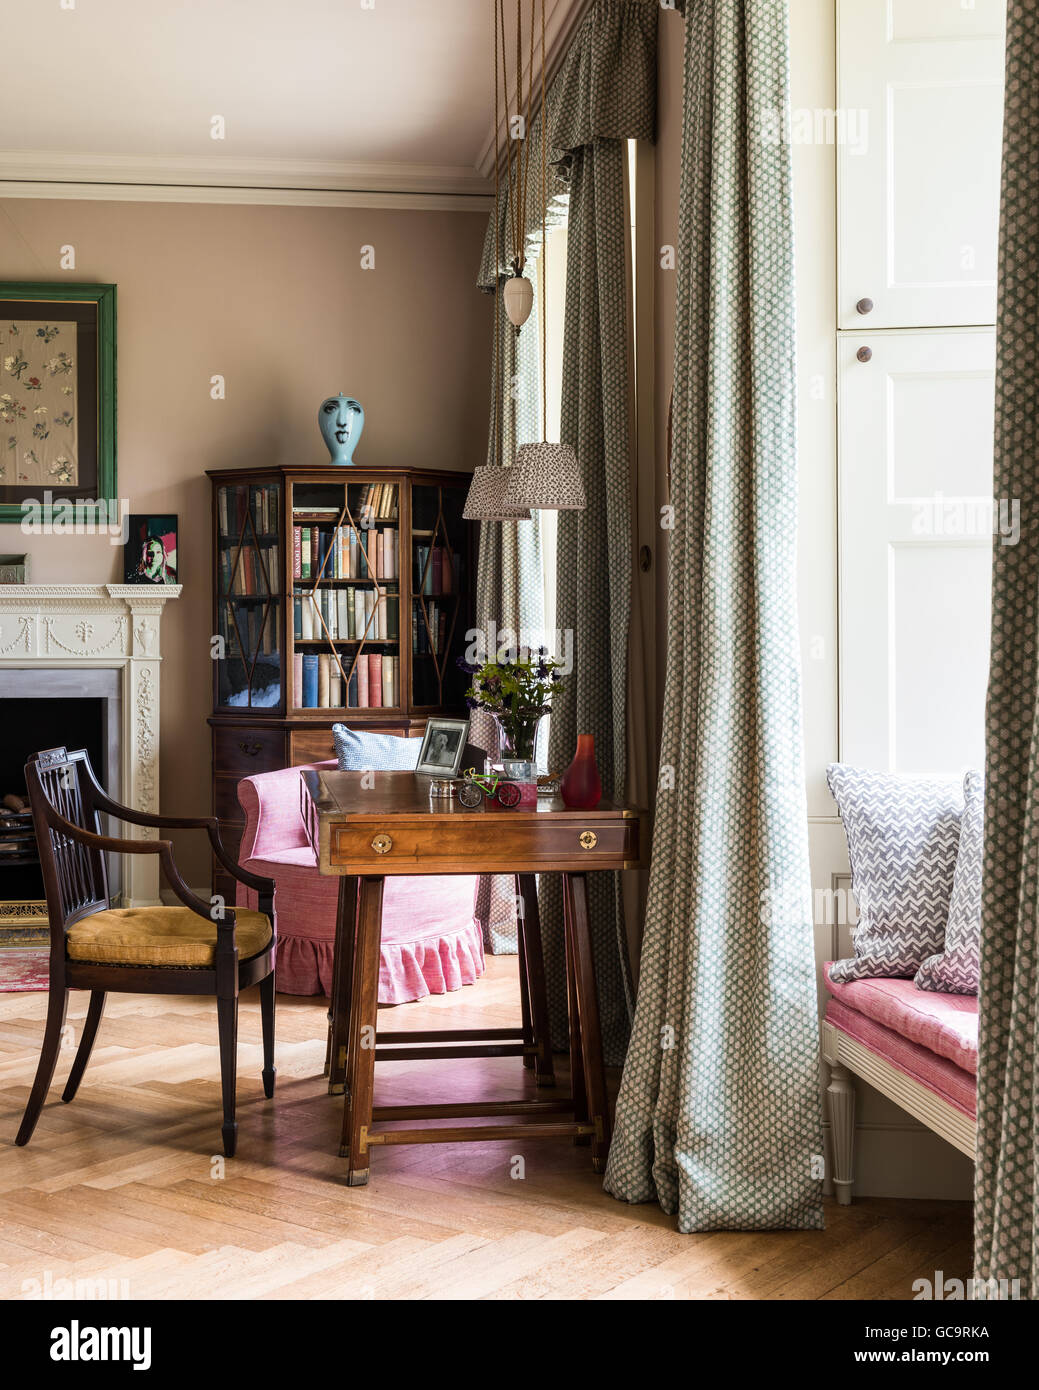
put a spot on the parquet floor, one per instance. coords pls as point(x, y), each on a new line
point(126, 1183)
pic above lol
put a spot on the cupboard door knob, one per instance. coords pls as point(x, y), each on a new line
point(864, 354)
point(864, 306)
point(382, 844)
point(589, 839)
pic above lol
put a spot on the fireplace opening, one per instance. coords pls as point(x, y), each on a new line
point(30, 725)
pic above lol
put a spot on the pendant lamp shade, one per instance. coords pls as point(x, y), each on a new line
point(486, 499)
point(545, 476)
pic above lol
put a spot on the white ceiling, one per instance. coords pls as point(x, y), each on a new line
point(319, 93)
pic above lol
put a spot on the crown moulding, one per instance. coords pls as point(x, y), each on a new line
point(221, 179)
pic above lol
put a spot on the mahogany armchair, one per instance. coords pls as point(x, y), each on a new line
point(195, 949)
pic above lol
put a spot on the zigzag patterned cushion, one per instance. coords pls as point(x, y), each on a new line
point(956, 969)
point(903, 835)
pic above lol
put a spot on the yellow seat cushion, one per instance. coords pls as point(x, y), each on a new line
point(161, 936)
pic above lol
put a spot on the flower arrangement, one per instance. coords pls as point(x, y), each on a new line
point(516, 689)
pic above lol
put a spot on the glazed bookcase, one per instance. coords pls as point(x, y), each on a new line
point(339, 595)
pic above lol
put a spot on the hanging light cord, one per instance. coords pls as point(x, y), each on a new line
point(544, 236)
point(499, 443)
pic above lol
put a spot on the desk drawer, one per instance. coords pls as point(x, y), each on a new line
point(483, 844)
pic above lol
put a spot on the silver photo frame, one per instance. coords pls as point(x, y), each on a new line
point(443, 747)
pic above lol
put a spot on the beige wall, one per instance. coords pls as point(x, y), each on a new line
point(274, 299)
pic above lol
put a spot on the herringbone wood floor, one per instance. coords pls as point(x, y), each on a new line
point(123, 1183)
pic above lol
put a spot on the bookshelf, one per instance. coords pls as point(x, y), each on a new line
point(339, 595)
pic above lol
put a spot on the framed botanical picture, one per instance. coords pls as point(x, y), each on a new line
point(443, 747)
point(150, 553)
point(57, 397)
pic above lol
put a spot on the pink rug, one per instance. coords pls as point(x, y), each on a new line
point(23, 969)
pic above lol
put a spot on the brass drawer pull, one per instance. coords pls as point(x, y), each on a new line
point(250, 749)
point(382, 844)
point(589, 839)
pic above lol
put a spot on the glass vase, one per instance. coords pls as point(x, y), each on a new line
point(517, 744)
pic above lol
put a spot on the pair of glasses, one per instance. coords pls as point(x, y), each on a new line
point(478, 785)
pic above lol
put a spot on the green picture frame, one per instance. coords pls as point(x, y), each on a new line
point(97, 484)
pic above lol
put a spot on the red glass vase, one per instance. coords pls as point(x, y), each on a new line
point(580, 786)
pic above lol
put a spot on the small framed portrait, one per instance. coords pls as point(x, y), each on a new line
point(150, 553)
point(443, 747)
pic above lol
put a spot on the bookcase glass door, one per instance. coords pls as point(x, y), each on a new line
point(249, 595)
point(346, 596)
point(438, 544)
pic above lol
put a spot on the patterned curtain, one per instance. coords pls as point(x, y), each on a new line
point(508, 574)
point(1006, 1196)
point(604, 95)
point(719, 1110)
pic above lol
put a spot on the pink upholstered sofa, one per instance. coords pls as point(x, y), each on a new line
point(918, 1047)
point(431, 941)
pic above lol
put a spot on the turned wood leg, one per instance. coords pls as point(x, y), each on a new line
point(524, 986)
point(267, 1021)
point(361, 1032)
point(575, 888)
point(342, 967)
point(227, 1024)
point(533, 962)
point(94, 1011)
point(577, 1086)
point(840, 1098)
point(56, 1006)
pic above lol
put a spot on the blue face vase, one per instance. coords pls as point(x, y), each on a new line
point(341, 420)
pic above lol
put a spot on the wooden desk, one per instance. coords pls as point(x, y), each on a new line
point(367, 826)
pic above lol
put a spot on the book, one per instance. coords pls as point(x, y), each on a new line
point(374, 681)
point(351, 690)
point(297, 681)
point(310, 667)
point(380, 616)
point(380, 555)
point(344, 613)
point(335, 686)
point(322, 680)
point(362, 682)
point(304, 552)
point(392, 618)
point(306, 623)
point(436, 569)
point(351, 563)
point(389, 689)
point(297, 552)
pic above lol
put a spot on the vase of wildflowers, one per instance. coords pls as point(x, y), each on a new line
point(516, 689)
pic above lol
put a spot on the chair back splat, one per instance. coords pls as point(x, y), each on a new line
point(62, 786)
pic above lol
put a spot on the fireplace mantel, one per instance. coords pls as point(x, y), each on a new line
point(70, 626)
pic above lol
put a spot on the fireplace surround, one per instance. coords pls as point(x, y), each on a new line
point(100, 641)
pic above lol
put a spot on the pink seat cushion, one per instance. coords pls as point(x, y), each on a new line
point(938, 1074)
point(943, 1024)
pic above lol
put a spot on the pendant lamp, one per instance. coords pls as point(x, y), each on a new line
point(545, 476)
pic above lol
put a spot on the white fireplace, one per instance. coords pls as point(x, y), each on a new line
point(104, 628)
